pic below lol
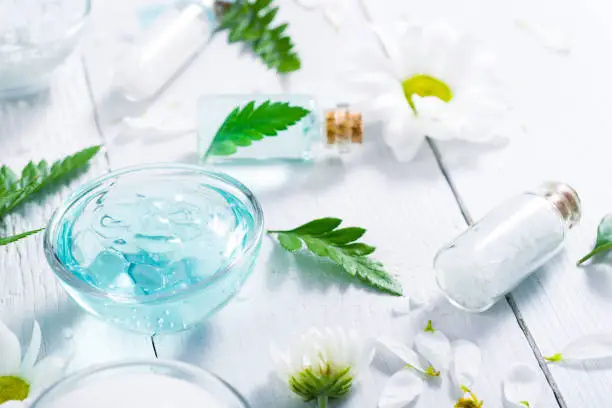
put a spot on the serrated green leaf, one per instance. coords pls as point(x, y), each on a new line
point(344, 236)
point(243, 126)
point(250, 22)
point(318, 227)
point(322, 238)
point(14, 238)
point(37, 177)
point(604, 239)
point(289, 242)
point(359, 249)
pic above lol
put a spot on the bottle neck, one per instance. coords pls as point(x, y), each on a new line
point(565, 199)
point(343, 127)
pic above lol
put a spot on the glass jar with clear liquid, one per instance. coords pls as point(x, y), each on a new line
point(494, 255)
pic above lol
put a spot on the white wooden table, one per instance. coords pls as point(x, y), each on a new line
point(561, 103)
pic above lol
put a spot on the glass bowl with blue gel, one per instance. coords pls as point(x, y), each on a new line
point(156, 248)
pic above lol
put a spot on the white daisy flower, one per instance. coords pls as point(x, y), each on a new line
point(22, 378)
point(429, 81)
point(333, 10)
point(323, 364)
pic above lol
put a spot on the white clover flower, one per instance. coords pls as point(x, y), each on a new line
point(323, 364)
point(22, 378)
point(429, 81)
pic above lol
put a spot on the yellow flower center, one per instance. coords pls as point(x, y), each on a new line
point(13, 389)
point(425, 85)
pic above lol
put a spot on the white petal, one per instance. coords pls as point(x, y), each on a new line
point(389, 44)
point(522, 384)
point(434, 347)
point(401, 389)
point(589, 347)
point(404, 135)
point(31, 353)
point(14, 404)
point(403, 352)
point(281, 363)
point(10, 351)
point(46, 372)
point(401, 306)
point(467, 360)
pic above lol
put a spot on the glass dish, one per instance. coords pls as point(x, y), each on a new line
point(155, 248)
point(36, 36)
point(141, 383)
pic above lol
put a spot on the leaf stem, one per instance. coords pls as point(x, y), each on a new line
point(322, 401)
point(598, 250)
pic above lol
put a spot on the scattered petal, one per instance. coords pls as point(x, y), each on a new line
point(403, 352)
point(435, 347)
point(589, 347)
point(401, 306)
point(467, 360)
point(10, 351)
point(401, 389)
point(522, 385)
point(31, 353)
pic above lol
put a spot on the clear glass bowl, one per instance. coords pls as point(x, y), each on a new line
point(155, 248)
point(141, 383)
point(35, 37)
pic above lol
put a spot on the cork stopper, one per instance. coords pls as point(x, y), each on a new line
point(565, 199)
point(343, 126)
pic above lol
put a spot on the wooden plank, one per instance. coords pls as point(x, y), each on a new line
point(408, 209)
point(49, 127)
point(561, 105)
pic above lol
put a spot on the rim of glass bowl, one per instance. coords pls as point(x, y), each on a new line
point(71, 31)
point(68, 277)
point(196, 372)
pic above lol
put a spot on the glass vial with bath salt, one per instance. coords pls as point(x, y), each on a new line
point(165, 47)
point(319, 133)
point(510, 243)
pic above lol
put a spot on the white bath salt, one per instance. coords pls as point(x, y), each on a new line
point(135, 391)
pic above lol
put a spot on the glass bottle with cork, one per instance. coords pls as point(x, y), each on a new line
point(318, 134)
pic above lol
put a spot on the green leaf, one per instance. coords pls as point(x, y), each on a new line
point(318, 227)
point(9, 240)
point(525, 403)
point(604, 239)
point(323, 238)
point(289, 242)
point(244, 126)
point(250, 22)
point(37, 177)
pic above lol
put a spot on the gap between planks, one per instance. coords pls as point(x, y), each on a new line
point(509, 299)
